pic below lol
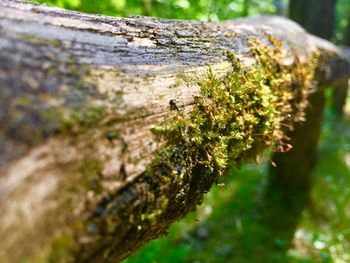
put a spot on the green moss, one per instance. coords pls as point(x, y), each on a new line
point(83, 118)
point(235, 117)
point(243, 112)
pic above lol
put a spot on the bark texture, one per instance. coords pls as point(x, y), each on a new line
point(78, 97)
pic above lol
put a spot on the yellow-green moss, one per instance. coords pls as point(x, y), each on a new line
point(245, 111)
point(235, 117)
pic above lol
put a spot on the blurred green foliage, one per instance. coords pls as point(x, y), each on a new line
point(204, 10)
point(341, 19)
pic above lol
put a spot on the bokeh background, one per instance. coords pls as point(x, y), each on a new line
point(224, 228)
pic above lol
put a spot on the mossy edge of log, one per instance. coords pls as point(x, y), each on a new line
point(237, 116)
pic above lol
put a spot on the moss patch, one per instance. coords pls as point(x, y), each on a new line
point(243, 112)
point(234, 119)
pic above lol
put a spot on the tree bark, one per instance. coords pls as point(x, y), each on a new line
point(79, 95)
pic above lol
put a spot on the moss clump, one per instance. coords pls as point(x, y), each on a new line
point(235, 118)
point(243, 112)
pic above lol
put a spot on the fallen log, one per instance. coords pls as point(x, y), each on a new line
point(113, 128)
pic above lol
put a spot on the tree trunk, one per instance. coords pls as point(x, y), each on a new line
point(318, 18)
point(342, 88)
point(289, 184)
point(280, 7)
point(346, 40)
point(315, 16)
point(82, 176)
